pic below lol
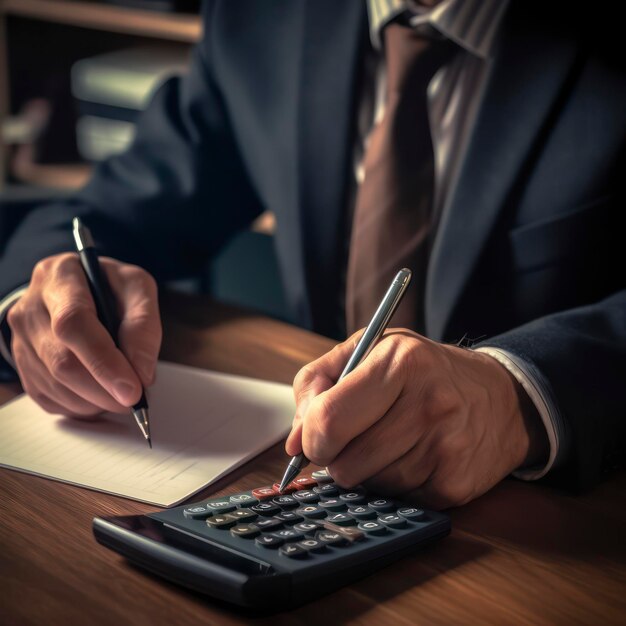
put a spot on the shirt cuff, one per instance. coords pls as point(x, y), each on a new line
point(539, 392)
point(5, 304)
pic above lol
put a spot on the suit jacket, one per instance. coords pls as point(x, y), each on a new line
point(527, 253)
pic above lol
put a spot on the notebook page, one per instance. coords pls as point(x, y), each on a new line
point(203, 425)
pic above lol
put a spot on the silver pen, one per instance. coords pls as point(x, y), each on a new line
point(368, 340)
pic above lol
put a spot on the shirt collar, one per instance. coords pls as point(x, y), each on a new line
point(472, 24)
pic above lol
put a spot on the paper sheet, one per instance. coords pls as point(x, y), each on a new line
point(203, 424)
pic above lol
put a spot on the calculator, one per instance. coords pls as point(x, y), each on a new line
point(266, 549)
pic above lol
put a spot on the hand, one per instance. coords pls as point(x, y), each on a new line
point(439, 422)
point(66, 360)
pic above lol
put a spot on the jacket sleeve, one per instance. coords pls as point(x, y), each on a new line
point(582, 354)
point(168, 203)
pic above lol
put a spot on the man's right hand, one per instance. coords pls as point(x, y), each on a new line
point(66, 360)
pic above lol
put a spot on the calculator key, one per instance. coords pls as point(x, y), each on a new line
point(303, 482)
point(285, 502)
point(341, 519)
point(354, 496)
point(311, 511)
point(199, 511)
point(361, 512)
point(244, 514)
point(222, 521)
point(223, 506)
point(243, 499)
point(308, 528)
point(330, 538)
point(328, 490)
point(382, 505)
point(412, 513)
point(392, 520)
point(332, 504)
point(349, 532)
point(265, 508)
point(289, 517)
point(322, 476)
point(288, 488)
point(312, 545)
point(293, 551)
point(372, 528)
point(268, 523)
point(247, 531)
point(289, 534)
point(305, 495)
point(263, 493)
point(267, 541)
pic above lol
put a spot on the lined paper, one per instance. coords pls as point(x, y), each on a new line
point(203, 425)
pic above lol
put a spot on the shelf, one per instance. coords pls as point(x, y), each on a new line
point(171, 26)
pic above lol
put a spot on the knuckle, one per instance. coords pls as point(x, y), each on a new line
point(452, 447)
point(438, 400)
point(43, 401)
point(65, 321)
point(15, 318)
point(325, 417)
point(98, 368)
point(343, 474)
point(62, 364)
point(449, 493)
point(304, 378)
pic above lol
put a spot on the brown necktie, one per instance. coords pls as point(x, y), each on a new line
point(393, 206)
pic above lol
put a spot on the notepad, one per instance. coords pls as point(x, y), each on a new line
point(203, 425)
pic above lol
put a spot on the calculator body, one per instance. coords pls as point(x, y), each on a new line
point(274, 563)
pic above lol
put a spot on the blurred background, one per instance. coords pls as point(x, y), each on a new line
point(74, 75)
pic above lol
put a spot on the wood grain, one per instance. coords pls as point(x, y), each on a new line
point(522, 554)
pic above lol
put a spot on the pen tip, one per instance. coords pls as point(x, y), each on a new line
point(150, 443)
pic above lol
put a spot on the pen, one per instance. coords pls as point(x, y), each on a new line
point(105, 307)
point(368, 340)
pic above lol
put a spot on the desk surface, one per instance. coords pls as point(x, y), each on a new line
point(520, 554)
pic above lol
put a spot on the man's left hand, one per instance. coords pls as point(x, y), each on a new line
point(439, 422)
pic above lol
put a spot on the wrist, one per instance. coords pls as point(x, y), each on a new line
point(529, 445)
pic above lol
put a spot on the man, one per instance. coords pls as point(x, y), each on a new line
point(513, 233)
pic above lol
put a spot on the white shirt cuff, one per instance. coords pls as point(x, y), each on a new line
point(5, 304)
point(539, 392)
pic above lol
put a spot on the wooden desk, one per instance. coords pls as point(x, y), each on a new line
point(521, 554)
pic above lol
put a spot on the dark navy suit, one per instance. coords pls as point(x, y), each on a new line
point(528, 253)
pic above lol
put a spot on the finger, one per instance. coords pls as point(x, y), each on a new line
point(140, 330)
point(74, 322)
point(341, 413)
point(313, 379)
point(386, 441)
point(407, 473)
point(52, 397)
point(66, 370)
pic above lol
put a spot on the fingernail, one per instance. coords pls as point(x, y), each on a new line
point(124, 392)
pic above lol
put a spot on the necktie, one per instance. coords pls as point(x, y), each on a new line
point(392, 211)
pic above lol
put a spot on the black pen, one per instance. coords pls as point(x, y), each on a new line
point(368, 340)
point(105, 307)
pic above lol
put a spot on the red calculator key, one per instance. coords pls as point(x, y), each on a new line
point(288, 489)
point(263, 493)
point(303, 482)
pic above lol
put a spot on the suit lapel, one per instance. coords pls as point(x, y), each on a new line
point(332, 41)
point(528, 75)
